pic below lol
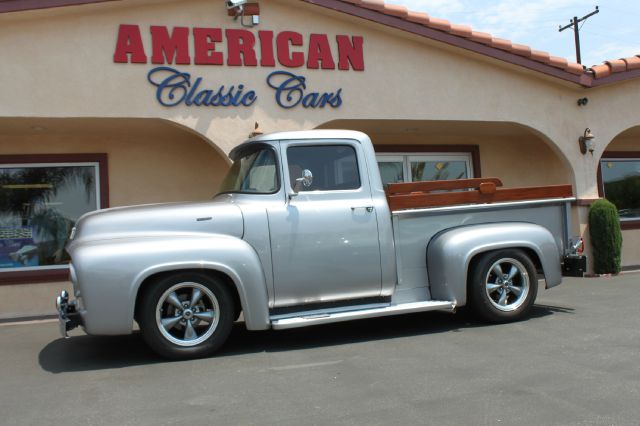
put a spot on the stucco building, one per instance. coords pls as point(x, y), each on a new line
point(111, 103)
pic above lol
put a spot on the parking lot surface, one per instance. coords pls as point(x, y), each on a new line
point(575, 362)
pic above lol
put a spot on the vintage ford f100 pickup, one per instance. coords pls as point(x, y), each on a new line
point(304, 233)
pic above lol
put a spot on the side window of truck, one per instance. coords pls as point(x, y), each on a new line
point(334, 167)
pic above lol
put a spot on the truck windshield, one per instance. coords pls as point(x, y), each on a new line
point(253, 172)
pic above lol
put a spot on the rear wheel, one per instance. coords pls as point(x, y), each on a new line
point(186, 315)
point(503, 285)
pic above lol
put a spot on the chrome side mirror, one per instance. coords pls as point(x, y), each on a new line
point(305, 181)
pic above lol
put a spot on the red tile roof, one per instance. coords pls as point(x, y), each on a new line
point(606, 69)
point(466, 32)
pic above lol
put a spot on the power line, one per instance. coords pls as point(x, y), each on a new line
point(576, 30)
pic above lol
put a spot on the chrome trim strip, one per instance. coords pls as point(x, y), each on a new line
point(467, 207)
point(329, 311)
point(308, 318)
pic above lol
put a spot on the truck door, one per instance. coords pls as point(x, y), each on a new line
point(324, 238)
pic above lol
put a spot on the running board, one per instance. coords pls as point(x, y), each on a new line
point(303, 319)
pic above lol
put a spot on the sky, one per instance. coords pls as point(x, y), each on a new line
point(611, 34)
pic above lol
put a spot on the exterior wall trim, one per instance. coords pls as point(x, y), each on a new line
point(584, 202)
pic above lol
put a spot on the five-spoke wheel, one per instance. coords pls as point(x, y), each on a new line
point(186, 315)
point(503, 285)
point(507, 284)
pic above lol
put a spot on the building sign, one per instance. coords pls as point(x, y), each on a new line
point(290, 49)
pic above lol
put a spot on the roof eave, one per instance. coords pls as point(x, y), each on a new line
point(615, 78)
point(7, 6)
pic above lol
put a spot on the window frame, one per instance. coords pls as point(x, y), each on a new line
point(57, 272)
point(618, 155)
point(473, 151)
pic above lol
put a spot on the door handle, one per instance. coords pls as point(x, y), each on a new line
point(367, 208)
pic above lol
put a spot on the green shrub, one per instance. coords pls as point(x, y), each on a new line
point(606, 237)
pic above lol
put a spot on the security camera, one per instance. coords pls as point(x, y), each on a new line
point(232, 4)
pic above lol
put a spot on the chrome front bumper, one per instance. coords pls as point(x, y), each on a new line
point(68, 316)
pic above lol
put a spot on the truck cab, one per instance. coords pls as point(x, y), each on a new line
point(325, 213)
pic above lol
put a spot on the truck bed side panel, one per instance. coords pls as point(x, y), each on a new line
point(414, 229)
point(449, 254)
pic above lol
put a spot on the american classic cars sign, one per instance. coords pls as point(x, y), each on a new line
point(288, 49)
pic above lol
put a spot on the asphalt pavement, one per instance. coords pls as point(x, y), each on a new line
point(575, 362)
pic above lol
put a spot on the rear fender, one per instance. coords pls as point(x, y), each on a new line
point(449, 254)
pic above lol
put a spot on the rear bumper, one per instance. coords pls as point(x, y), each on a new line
point(68, 315)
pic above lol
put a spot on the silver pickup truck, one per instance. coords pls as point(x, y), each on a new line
point(302, 233)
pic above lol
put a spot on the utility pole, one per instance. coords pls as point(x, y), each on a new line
point(576, 30)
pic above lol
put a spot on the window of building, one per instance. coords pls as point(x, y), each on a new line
point(620, 177)
point(41, 198)
point(411, 166)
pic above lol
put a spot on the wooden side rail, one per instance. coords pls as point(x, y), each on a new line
point(440, 185)
point(486, 192)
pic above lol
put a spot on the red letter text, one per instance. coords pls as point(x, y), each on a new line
point(165, 47)
point(129, 43)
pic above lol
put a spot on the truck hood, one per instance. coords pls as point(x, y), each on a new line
point(212, 217)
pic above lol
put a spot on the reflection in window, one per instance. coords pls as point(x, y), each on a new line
point(334, 167)
point(621, 181)
point(438, 170)
point(39, 204)
point(395, 168)
point(253, 172)
point(391, 169)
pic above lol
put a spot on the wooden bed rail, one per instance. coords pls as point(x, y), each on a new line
point(439, 185)
point(416, 195)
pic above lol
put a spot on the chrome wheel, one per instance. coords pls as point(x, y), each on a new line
point(507, 284)
point(187, 314)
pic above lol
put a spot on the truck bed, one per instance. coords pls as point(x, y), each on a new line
point(419, 213)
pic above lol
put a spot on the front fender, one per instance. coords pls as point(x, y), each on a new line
point(109, 273)
point(450, 252)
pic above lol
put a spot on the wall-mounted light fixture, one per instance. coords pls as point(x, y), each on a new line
point(241, 8)
point(587, 142)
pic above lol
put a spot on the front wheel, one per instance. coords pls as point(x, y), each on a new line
point(186, 315)
point(503, 285)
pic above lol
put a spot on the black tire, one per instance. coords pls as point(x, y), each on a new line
point(505, 297)
point(177, 329)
